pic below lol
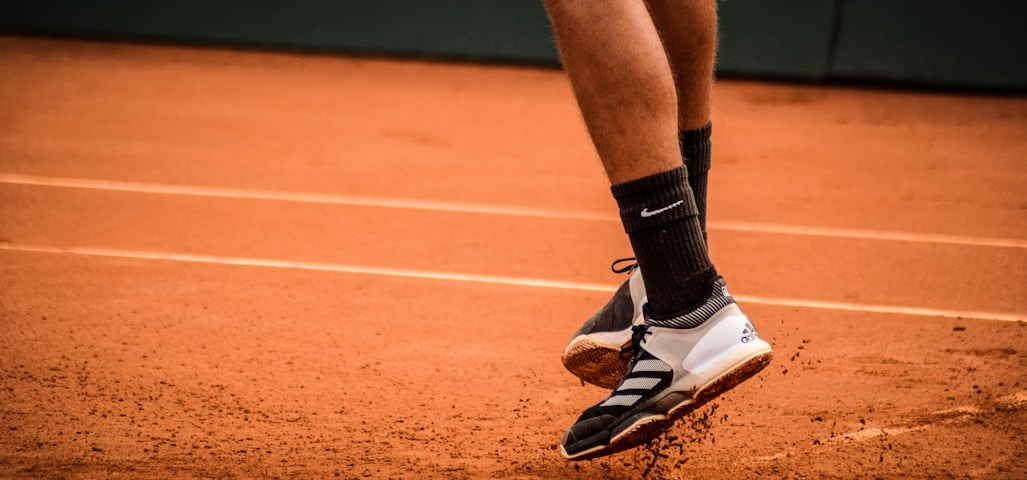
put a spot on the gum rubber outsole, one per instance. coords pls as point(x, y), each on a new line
point(594, 362)
point(648, 428)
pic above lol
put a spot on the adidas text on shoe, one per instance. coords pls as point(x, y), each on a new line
point(679, 364)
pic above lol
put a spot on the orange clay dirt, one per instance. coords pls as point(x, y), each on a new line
point(117, 366)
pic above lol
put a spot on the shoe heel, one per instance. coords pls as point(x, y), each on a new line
point(744, 371)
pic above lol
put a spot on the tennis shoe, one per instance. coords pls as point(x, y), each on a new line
point(676, 365)
point(594, 352)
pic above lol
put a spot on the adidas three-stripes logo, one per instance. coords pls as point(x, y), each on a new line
point(749, 333)
point(644, 376)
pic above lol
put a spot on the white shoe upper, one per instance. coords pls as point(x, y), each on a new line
point(637, 288)
point(702, 354)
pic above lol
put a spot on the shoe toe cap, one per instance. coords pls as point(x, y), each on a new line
point(587, 433)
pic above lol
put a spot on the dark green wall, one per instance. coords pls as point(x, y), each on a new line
point(945, 43)
point(761, 39)
point(502, 30)
point(979, 43)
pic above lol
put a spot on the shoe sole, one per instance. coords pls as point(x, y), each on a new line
point(596, 358)
point(649, 426)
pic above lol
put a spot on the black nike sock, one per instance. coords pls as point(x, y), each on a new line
point(695, 151)
point(660, 217)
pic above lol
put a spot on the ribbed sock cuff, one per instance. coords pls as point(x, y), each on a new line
point(660, 217)
point(695, 148)
point(695, 152)
point(654, 200)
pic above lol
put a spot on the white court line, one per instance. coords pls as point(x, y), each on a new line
point(326, 199)
point(859, 307)
point(868, 234)
point(489, 209)
point(316, 266)
point(492, 279)
point(962, 414)
point(856, 437)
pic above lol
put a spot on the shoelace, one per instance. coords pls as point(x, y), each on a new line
point(637, 331)
point(628, 269)
point(632, 350)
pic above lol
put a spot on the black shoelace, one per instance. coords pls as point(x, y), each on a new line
point(638, 331)
point(633, 349)
point(628, 269)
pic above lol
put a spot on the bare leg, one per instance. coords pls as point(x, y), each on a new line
point(688, 29)
point(623, 84)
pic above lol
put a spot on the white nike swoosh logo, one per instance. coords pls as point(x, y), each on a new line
point(646, 213)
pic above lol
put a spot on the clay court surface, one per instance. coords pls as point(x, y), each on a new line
point(239, 264)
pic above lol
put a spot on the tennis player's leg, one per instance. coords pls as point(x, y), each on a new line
point(688, 31)
point(694, 342)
